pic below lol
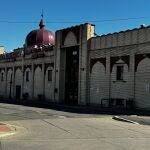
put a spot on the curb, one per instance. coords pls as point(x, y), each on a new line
point(12, 132)
point(124, 120)
point(6, 134)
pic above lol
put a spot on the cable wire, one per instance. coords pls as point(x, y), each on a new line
point(64, 22)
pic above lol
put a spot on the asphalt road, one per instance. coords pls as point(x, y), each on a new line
point(50, 129)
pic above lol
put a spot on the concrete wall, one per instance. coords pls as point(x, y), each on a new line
point(57, 63)
point(37, 83)
point(129, 37)
point(142, 83)
point(70, 40)
point(9, 73)
point(49, 86)
point(27, 88)
point(2, 82)
point(98, 89)
point(86, 31)
point(94, 83)
point(18, 80)
point(120, 89)
point(136, 83)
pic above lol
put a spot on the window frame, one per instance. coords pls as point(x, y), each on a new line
point(2, 76)
point(50, 75)
point(27, 76)
point(119, 72)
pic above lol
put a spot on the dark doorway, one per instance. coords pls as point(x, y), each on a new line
point(72, 71)
point(18, 91)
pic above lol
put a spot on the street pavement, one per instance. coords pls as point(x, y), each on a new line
point(50, 129)
point(6, 130)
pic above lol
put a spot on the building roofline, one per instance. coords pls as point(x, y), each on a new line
point(128, 30)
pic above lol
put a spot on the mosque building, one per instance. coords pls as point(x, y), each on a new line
point(74, 65)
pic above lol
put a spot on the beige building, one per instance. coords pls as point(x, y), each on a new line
point(1, 49)
point(75, 66)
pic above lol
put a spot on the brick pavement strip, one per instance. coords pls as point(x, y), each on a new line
point(6, 130)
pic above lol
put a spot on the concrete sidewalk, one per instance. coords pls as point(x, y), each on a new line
point(136, 119)
point(6, 130)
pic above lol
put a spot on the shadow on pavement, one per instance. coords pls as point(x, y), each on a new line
point(76, 108)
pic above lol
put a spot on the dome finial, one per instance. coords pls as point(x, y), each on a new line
point(42, 14)
point(42, 23)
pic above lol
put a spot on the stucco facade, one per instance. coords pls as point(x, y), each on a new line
point(129, 49)
point(14, 71)
point(81, 68)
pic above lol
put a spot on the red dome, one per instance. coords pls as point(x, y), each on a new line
point(40, 36)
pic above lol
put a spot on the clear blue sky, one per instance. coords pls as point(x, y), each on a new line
point(12, 35)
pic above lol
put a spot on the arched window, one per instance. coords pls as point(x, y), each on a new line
point(119, 72)
point(49, 75)
point(27, 76)
point(2, 76)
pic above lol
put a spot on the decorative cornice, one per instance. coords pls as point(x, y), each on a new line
point(139, 58)
point(93, 61)
point(75, 30)
point(113, 60)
